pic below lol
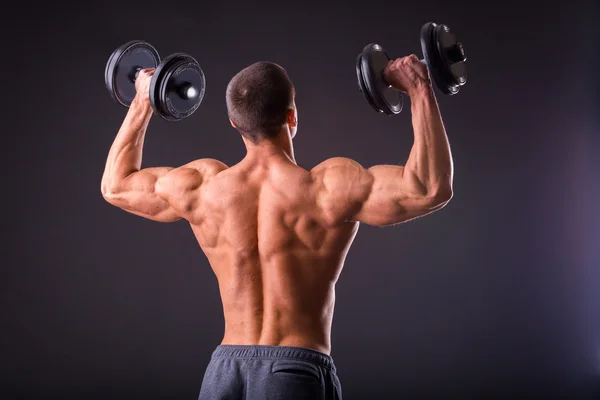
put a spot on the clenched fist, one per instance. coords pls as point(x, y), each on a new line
point(407, 74)
point(142, 84)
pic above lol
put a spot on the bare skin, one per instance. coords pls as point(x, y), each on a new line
point(276, 235)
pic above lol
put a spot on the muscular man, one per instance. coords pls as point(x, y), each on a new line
point(276, 235)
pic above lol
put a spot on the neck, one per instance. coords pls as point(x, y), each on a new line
point(279, 146)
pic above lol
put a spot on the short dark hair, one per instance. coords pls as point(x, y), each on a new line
point(258, 99)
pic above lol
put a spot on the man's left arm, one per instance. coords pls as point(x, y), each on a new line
point(124, 183)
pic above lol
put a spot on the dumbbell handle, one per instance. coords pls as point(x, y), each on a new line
point(185, 90)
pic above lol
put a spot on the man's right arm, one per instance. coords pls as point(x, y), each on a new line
point(390, 194)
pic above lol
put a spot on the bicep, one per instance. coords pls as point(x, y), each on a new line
point(137, 194)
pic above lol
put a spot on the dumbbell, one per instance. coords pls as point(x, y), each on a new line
point(177, 86)
point(443, 54)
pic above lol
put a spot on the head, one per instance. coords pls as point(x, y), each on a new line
point(260, 102)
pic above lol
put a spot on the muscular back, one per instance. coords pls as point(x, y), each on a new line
point(274, 252)
point(276, 235)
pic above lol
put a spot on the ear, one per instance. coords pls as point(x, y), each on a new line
point(291, 118)
point(232, 124)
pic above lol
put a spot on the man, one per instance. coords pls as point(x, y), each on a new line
point(276, 235)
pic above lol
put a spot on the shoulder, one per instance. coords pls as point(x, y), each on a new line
point(341, 184)
point(205, 166)
point(337, 169)
point(334, 164)
point(191, 175)
point(201, 170)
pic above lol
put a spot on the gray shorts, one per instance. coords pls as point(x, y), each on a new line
point(269, 373)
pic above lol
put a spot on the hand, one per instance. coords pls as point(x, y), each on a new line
point(142, 85)
point(407, 74)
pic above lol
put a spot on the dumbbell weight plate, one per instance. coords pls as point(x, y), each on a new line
point(174, 74)
point(119, 74)
point(361, 83)
point(445, 57)
point(370, 65)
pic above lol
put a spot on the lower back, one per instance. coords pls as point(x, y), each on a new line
point(286, 302)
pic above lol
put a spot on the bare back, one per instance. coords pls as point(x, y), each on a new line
point(275, 254)
point(276, 235)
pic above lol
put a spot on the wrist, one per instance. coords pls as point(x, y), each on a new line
point(141, 105)
point(423, 89)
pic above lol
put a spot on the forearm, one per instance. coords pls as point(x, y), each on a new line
point(430, 159)
point(125, 155)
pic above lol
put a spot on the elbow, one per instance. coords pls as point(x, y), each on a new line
point(104, 189)
point(440, 196)
point(109, 192)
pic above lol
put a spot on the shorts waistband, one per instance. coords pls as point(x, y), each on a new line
point(262, 352)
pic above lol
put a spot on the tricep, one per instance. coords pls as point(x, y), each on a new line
point(381, 195)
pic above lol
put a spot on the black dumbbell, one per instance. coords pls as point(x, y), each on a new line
point(443, 54)
point(177, 86)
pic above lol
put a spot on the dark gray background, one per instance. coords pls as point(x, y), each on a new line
point(494, 296)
